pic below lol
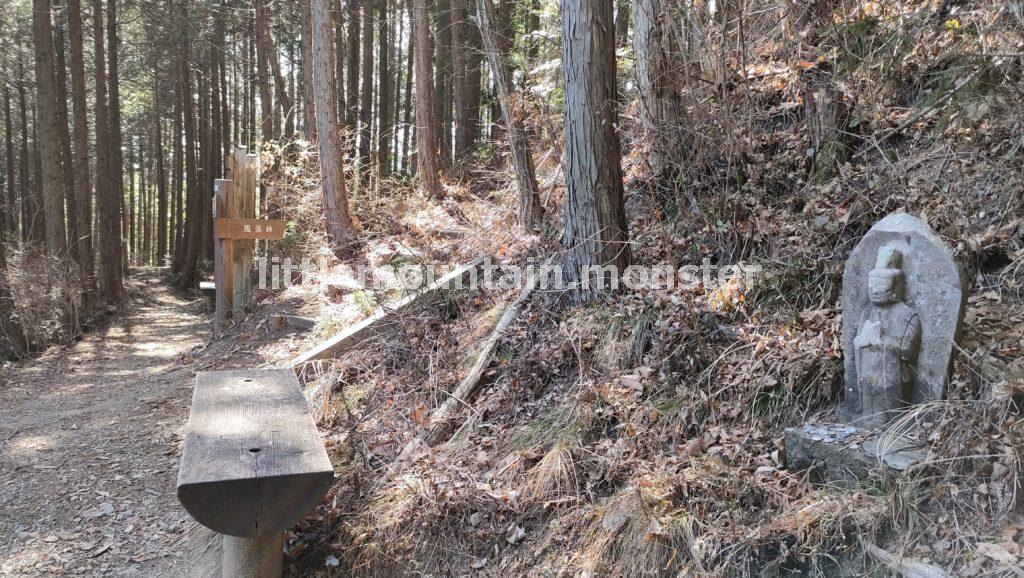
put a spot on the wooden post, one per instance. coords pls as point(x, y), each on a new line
point(243, 169)
point(222, 255)
point(253, 557)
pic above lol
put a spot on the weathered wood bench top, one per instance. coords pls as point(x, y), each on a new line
point(253, 462)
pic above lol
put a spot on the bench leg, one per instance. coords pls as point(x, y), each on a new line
point(255, 557)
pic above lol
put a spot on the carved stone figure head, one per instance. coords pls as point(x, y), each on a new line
point(886, 281)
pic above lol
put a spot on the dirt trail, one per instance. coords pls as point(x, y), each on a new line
point(89, 443)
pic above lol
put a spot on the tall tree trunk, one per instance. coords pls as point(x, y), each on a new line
point(67, 182)
point(460, 77)
point(9, 217)
point(262, 74)
point(332, 176)
point(82, 215)
point(161, 179)
point(252, 90)
point(384, 133)
point(366, 92)
point(31, 206)
point(466, 68)
point(222, 76)
point(132, 237)
point(116, 159)
point(37, 173)
point(49, 136)
point(532, 26)
point(248, 96)
point(338, 14)
point(145, 209)
point(658, 99)
point(443, 80)
point(178, 179)
point(502, 29)
point(110, 222)
point(595, 221)
point(191, 239)
point(289, 99)
point(138, 199)
point(426, 109)
point(236, 95)
point(293, 94)
point(475, 61)
point(206, 159)
point(352, 72)
point(10, 329)
point(407, 163)
point(215, 144)
point(397, 33)
point(280, 85)
point(309, 110)
point(530, 210)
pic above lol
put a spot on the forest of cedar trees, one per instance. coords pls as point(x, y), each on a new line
point(603, 430)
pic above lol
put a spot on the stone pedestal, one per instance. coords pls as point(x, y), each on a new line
point(844, 453)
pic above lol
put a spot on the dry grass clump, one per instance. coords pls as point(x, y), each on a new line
point(632, 533)
point(554, 479)
point(707, 520)
point(47, 298)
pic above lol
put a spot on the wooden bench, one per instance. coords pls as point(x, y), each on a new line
point(209, 291)
point(252, 465)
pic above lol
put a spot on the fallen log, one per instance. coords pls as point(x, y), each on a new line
point(442, 421)
point(277, 321)
point(907, 567)
point(380, 322)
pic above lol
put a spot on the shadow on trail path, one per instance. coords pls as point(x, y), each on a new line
point(90, 436)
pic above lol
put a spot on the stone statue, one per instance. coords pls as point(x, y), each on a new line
point(887, 342)
point(903, 301)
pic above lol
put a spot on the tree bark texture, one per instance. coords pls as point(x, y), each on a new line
point(659, 103)
point(109, 219)
point(384, 130)
point(530, 210)
point(309, 109)
point(595, 221)
point(366, 91)
point(332, 178)
point(82, 178)
point(114, 112)
point(443, 80)
point(426, 109)
point(466, 63)
point(49, 138)
point(262, 72)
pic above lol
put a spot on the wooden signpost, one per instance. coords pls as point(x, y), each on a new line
point(227, 228)
point(235, 230)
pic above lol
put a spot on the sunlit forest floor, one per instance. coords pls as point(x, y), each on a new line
point(90, 437)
